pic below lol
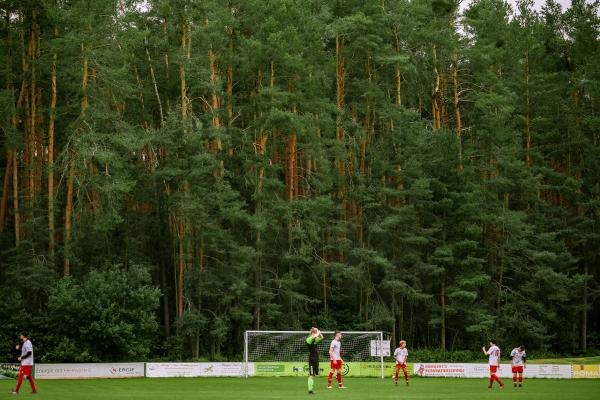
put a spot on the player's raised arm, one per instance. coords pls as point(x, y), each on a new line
point(319, 336)
point(484, 351)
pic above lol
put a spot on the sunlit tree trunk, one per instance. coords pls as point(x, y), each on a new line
point(72, 167)
point(182, 224)
point(340, 94)
point(215, 79)
point(291, 175)
point(260, 148)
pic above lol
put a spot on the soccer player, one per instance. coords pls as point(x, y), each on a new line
point(400, 355)
point(494, 361)
point(313, 358)
point(335, 355)
point(518, 361)
point(26, 360)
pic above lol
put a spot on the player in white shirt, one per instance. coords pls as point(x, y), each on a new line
point(335, 356)
point(494, 361)
point(401, 354)
point(518, 361)
point(26, 368)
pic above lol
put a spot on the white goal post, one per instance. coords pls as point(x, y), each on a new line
point(286, 346)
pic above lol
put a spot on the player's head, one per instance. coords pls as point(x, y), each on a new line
point(402, 344)
point(314, 331)
point(338, 335)
point(24, 336)
point(521, 348)
point(492, 342)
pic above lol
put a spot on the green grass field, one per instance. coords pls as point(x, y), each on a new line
point(295, 388)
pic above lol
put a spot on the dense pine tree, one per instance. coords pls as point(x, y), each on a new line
point(181, 171)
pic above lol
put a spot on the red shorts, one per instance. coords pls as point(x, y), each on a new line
point(493, 368)
point(336, 364)
point(518, 369)
point(398, 366)
point(26, 370)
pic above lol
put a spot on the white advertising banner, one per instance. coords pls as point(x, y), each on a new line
point(441, 370)
point(189, 370)
point(89, 371)
point(379, 346)
point(483, 371)
point(553, 371)
point(451, 370)
point(225, 369)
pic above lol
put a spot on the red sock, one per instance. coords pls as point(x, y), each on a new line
point(515, 378)
point(339, 378)
point(330, 378)
point(405, 375)
point(521, 379)
point(498, 380)
point(396, 376)
point(491, 380)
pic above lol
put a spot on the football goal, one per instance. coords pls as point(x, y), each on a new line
point(290, 346)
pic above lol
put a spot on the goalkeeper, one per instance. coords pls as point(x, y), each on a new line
point(313, 358)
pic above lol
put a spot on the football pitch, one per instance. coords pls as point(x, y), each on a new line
point(295, 388)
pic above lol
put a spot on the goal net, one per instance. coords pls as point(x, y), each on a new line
point(290, 346)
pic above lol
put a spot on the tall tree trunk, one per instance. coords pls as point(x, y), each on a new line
point(31, 132)
point(51, 227)
point(325, 301)
point(17, 212)
point(84, 104)
point(15, 165)
point(457, 114)
point(260, 149)
point(155, 84)
point(291, 178)
point(230, 96)
point(3, 201)
point(340, 83)
point(340, 94)
point(69, 214)
point(439, 106)
point(584, 312)
point(181, 223)
point(398, 78)
point(291, 170)
point(217, 144)
point(528, 139)
point(443, 316)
